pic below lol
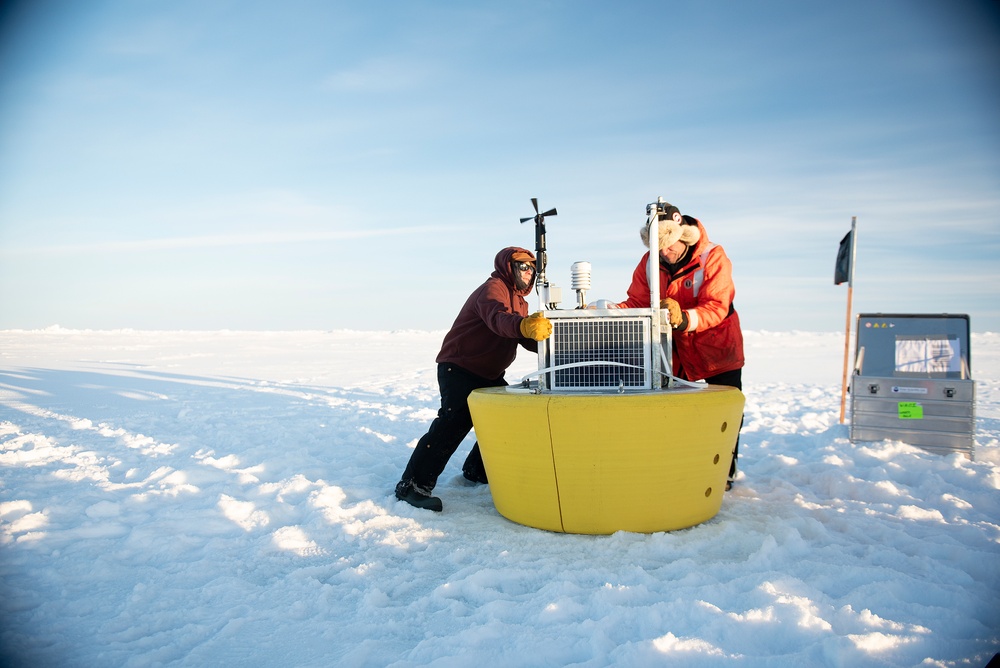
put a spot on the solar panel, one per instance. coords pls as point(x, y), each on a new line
point(617, 349)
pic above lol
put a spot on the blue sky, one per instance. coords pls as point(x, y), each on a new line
point(328, 165)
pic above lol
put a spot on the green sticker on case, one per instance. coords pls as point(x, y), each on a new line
point(910, 410)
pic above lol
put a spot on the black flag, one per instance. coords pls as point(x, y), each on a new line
point(842, 272)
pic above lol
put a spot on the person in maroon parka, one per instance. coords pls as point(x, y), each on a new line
point(475, 353)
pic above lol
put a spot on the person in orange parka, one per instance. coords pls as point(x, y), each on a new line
point(696, 288)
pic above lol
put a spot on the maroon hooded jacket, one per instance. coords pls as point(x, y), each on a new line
point(485, 335)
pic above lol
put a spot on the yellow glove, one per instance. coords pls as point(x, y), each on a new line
point(676, 314)
point(536, 326)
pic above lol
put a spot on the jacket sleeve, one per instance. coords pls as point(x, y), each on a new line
point(638, 291)
point(715, 297)
point(495, 308)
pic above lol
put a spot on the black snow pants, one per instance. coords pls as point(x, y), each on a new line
point(452, 424)
point(732, 378)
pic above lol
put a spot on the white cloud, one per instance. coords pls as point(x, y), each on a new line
point(211, 241)
point(382, 75)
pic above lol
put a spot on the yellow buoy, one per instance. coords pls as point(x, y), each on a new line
point(596, 463)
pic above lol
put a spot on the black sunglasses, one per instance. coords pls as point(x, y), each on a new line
point(524, 266)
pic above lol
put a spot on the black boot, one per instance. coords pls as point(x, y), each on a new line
point(417, 497)
point(473, 468)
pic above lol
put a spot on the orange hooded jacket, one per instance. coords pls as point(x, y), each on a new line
point(703, 287)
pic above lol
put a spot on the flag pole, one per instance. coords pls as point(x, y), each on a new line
point(847, 329)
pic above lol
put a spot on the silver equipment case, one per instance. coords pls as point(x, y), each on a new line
point(912, 382)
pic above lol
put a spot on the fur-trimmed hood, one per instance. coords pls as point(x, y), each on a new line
point(688, 231)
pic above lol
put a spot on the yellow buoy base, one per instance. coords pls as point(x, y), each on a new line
point(600, 463)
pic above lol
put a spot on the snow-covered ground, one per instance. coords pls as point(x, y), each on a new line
point(225, 499)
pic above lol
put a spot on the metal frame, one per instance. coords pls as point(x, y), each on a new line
point(593, 350)
point(933, 409)
point(565, 364)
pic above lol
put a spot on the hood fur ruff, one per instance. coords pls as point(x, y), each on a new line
point(671, 232)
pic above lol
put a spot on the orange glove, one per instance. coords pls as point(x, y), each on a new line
point(536, 326)
point(676, 314)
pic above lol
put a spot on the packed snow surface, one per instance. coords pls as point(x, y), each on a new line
point(225, 499)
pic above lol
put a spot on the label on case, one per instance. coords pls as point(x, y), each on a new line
point(898, 389)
